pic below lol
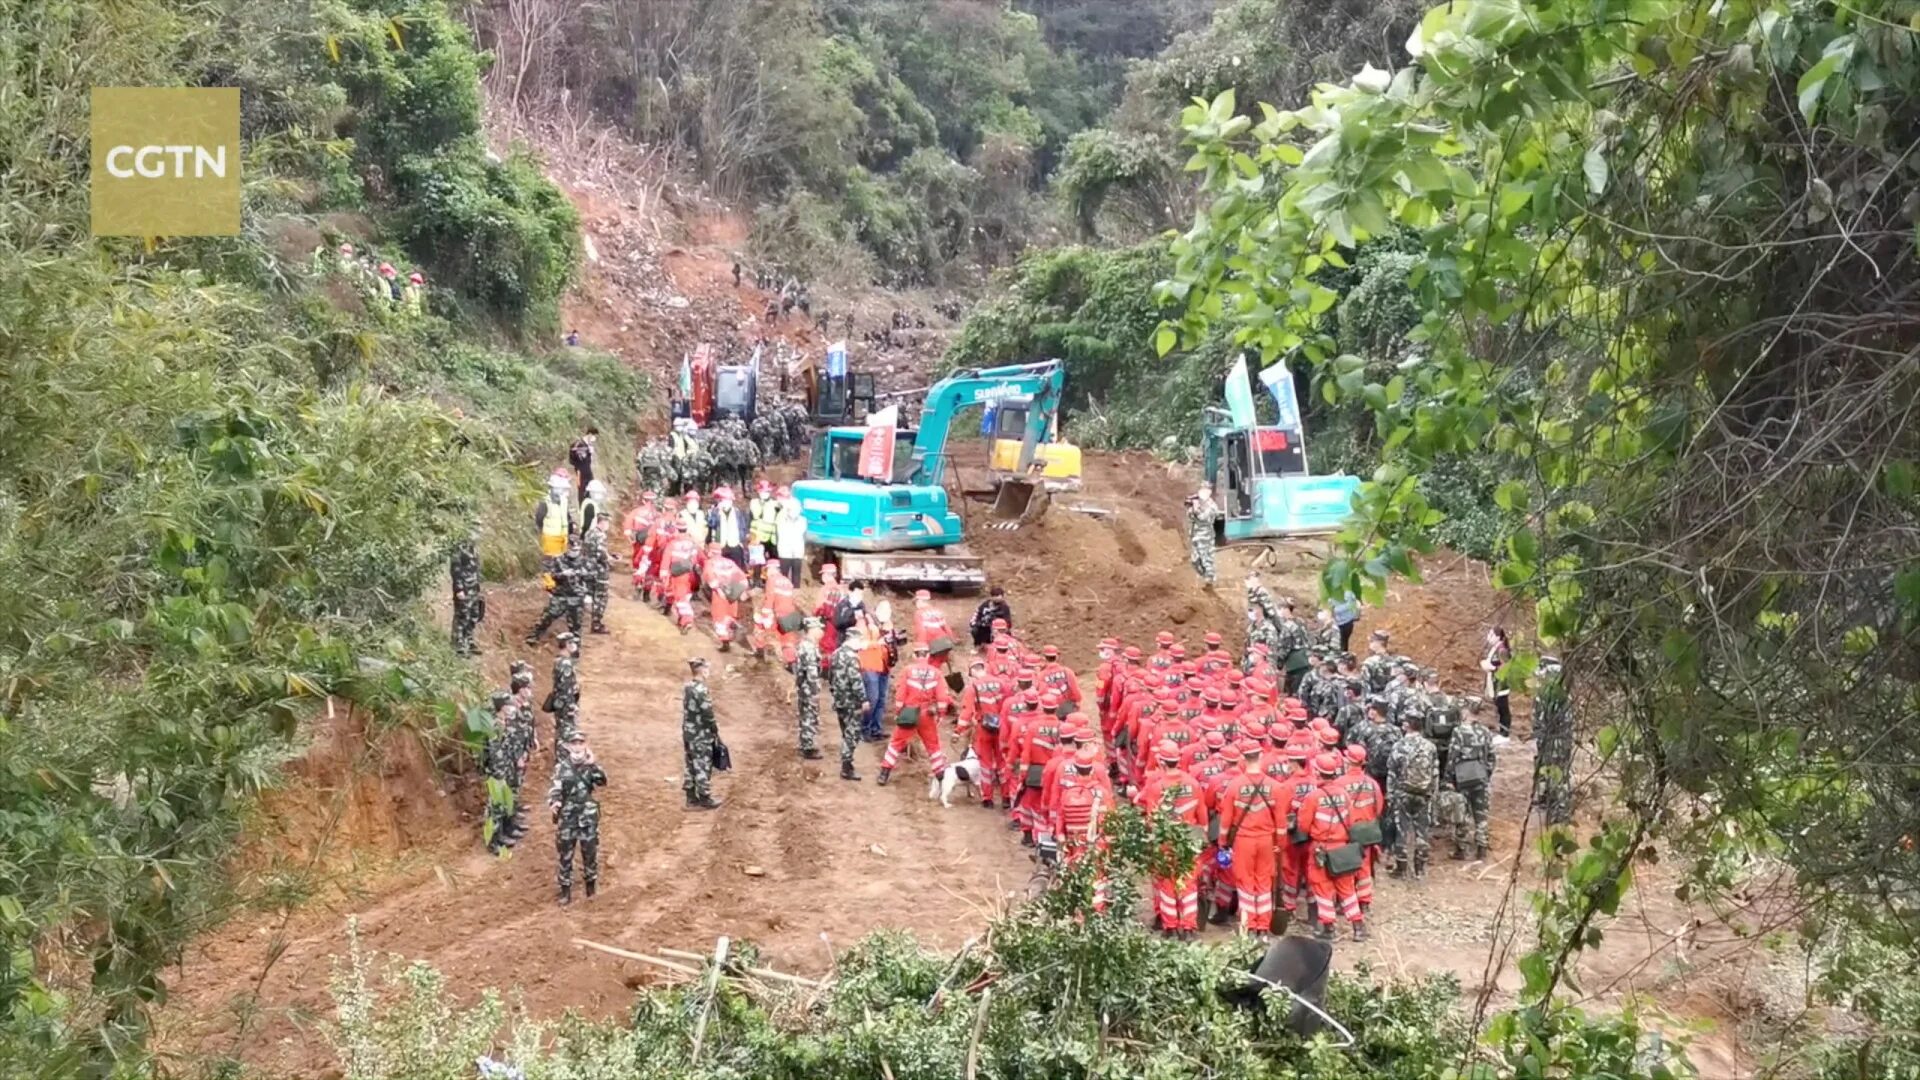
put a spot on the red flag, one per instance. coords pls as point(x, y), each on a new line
point(876, 454)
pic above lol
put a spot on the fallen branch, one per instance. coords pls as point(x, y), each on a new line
point(761, 973)
point(713, 986)
point(642, 957)
point(979, 1027)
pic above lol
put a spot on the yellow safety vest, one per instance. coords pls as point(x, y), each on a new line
point(553, 528)
point(765, 512)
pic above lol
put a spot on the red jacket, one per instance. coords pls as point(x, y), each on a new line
point(1056, 677)
point(1079, 804)
point(1295, 790)
point(922, 685)
point(1364, 801)
point(982, 703)
point(1325, 815)
point(1250, 801)
point(1175, 789)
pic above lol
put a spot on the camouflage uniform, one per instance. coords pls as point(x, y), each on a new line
point(598, 564)
point(563, 702)
point(1443, 715)
point(698, 730)
point(1553, 735)
point(1377, 670)
point(577, 822)
point(1200, 539)
point(1259, 631)
point(806, 687)
point(501, 760)
point(1291, 657)
point(469, 607)
point(654, 464)
point(797, 422)
point(1412, 778)
point(769, 433)
point(691, 464)
point(1379, 737)
point(569, 597)
point(1472, 743)
point(1348, 716)
point(849, 700)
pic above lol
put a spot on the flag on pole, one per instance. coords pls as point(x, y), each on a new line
point(876, 446)
point(837, 360)
point(686, 378)
point(1240, 394)
point(1279, 380)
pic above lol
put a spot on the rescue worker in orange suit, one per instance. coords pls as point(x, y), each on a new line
point(1365, 802)
point(823, 609)
point(639, 527)
point(787, 619)
point(1250, 826)
point(981, 707)
point(1109, 654)
point(1207, 770)
point(923, 697)
point(1057, 677)
point(1176, 899)
point(1038, 737)
point(1073, 732)
point(930, 629)
point(1080, 807)
point(682, 558)
point(1018, 712)
point(727, 586)
point(1327, 815)
point(1292, 853)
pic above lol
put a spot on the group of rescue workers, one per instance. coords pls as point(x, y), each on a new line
point(1304, 767)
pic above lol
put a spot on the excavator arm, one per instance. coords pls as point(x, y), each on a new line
point(1041, 383)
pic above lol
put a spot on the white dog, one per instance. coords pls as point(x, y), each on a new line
point(965, 771)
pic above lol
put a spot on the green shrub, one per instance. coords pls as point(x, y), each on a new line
point(495, 230)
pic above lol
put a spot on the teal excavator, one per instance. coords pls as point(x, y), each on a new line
point(903, 530)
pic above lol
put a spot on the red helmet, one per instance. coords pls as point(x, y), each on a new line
point(1357, 754)
point(1327, 764)
point(1297, 751)
point(1086, 755)
point(1168, 750)
point(1329, 737)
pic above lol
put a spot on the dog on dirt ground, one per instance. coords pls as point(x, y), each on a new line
point(965, 772)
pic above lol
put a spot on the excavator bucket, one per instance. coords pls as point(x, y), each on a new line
point(1018, 501)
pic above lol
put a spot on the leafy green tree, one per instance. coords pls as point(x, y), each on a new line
point(1659, 245)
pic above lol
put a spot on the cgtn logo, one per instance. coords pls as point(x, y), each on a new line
point(166, 161)
point(126, 162)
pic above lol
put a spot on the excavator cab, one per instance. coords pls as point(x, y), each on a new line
point(1261, 484)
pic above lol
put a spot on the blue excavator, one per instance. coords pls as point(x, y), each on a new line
point(903, 530)
point(1262, 486)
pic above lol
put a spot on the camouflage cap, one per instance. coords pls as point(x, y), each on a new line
point(500, 700)
point(575, 737)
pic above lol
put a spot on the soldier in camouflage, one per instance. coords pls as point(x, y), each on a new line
point(691, 462)
point(599, 564)
point(1403, 692)
point(1412, 781)
point(1378, 734)
point(563, 699)
point(794, 415)
point(521, 684)
point(568, 599)
point(769, 433)
point(1472, 777)
point(806, 687)
point(699, 730)
point(503, 761)
point(1259, 632)
point(576, 814)
point(1377, 668)
point(1443, 714)
point(469, 606)
point(849, 696)
point(654, 464)
point(1201, 513)
point(1309, 689)
point(1292, 656)
point(1553, 734)
point(1348, 715)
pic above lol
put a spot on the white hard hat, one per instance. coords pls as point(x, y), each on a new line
point(1203, 492)
point(595, 487)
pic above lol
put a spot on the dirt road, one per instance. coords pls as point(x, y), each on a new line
point(797, 860)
